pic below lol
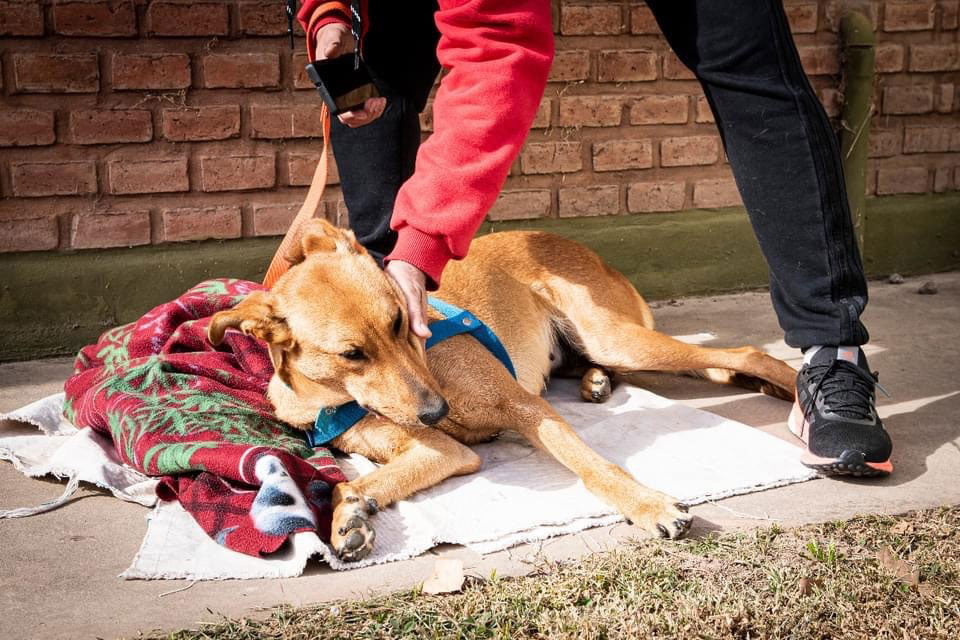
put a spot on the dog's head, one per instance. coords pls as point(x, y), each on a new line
point(338, 330)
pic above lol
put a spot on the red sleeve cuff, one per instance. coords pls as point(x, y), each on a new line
point(334, 16)
point(316, 15)
point(428, 253)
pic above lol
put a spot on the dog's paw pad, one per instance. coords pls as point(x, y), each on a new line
point(353, 540)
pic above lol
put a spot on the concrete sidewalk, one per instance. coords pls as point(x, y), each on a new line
point(58, 570)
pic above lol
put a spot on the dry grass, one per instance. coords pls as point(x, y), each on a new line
point(820, 581)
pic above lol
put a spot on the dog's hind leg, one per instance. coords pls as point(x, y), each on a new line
point(413, 458)
point(632, 348)
point(599, 313)
point(607, 322)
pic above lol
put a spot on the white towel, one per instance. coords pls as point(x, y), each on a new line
point(520, 494)
point(67, 452)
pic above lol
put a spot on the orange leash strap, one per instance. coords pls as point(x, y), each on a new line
point(279, 265)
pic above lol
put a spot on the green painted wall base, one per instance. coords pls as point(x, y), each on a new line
point(912, 234)
point(54, 303)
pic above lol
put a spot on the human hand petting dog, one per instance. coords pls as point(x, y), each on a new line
point(413, 285)
point(334, 40)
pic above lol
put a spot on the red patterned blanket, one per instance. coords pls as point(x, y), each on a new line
point(197, 416)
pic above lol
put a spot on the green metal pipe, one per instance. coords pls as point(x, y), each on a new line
point(856, 34)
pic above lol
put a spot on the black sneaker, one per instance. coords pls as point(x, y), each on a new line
point(835, 414)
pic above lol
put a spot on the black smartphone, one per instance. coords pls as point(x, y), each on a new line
point(342, 83)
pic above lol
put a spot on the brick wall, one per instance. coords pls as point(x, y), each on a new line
point(133, 122)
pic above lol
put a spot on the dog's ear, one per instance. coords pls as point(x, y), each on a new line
point(255, 316)
point(318, 236)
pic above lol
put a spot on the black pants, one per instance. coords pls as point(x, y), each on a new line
point(783, 153)
point(400, 48)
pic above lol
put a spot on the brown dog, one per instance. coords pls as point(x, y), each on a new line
point(337, 330)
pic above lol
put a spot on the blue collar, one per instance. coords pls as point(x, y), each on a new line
point(333, 421)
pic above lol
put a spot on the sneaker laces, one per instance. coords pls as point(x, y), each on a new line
point(847, 389)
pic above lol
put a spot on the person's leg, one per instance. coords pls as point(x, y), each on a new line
point(786, 163)
point(376, 159)
point(373, 161)
point(784, 157)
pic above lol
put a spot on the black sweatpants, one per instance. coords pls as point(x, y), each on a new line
point(783, 153)
point(400, 48)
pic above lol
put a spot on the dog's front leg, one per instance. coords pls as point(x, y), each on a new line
point(413, 458)
point(653, 511)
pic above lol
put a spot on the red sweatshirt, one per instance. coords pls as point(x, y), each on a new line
point(498, 54)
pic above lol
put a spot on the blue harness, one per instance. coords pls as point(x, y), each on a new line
point(333, 421)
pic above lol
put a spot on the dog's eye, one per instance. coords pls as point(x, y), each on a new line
point(354, 354)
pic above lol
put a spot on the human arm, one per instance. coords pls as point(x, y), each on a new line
point(498, 55)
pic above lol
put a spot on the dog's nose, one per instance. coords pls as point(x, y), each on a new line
point(435, 414)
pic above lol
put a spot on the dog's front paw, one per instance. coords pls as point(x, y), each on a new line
point(351, 533)
point(661, 517)
point(595, 385)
